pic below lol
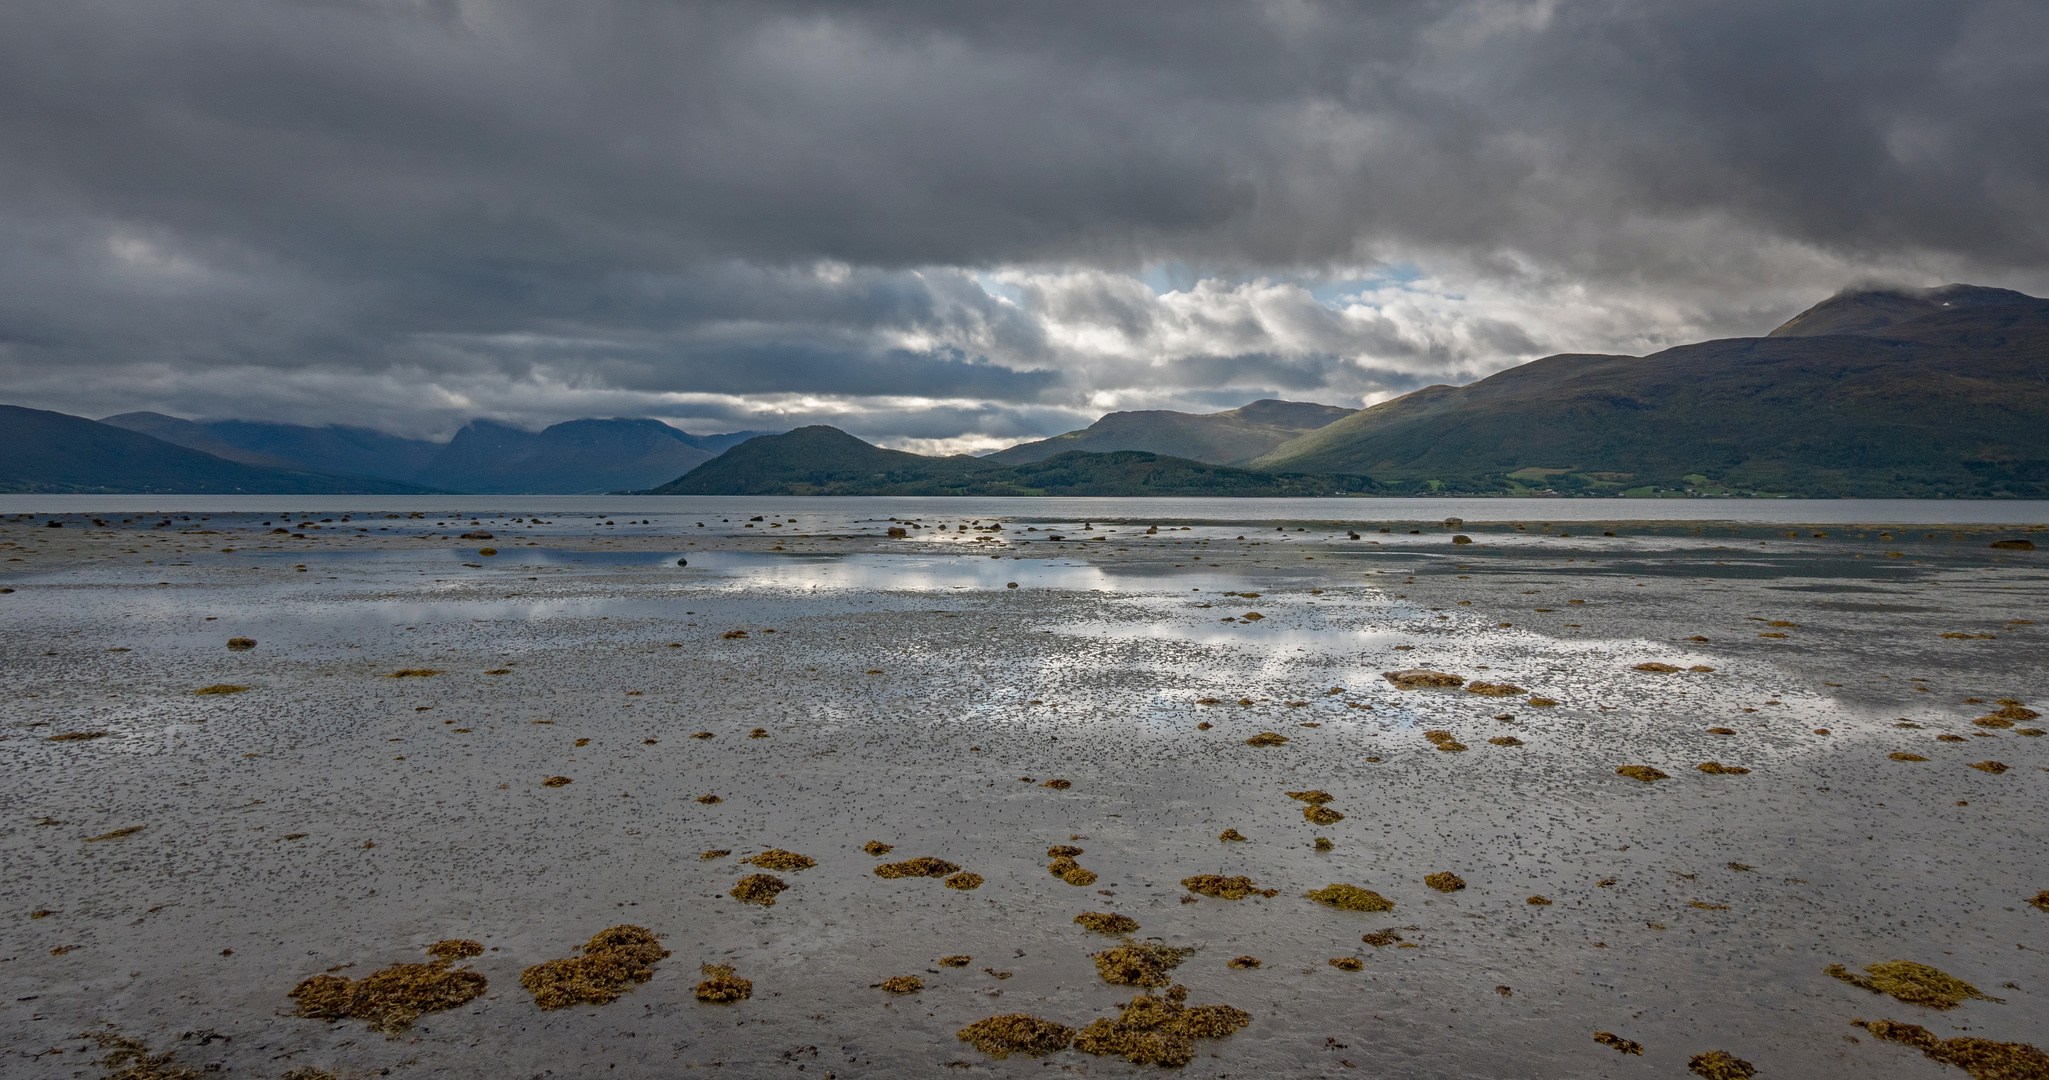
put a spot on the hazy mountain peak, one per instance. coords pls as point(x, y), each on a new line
point(1862, 311)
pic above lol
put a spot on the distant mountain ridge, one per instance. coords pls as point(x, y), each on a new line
point(54, 452)
point(823, 460)
point(1230, 437)
point(1877, 393)
point(588, 456)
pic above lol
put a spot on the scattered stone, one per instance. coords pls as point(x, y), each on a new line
point(2013, 545)
point(1445, 882)
point(1105, 922)
point(1351, 898)
point(1621, 1045)
point(1915, 984)
point(1017, 1033)
point(720, 986)
point(391, 999)
point(758, 889)
point(1641, 772)
point(1422, 679)
point(1225, 888)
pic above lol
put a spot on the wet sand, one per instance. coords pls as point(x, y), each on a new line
point(332, 815)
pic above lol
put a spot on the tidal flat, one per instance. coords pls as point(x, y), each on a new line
point(413, 746)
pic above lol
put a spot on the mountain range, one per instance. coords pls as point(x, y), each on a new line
point(1870, 393)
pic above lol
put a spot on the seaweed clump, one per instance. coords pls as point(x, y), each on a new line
point(956, 961)
point(1993, 767)
point(1225, 888)
point(1444, 741)
point(778, 859)
point(1422, 679)
point(391, 999)
point(1716, 768)
point(1017, 1033)
point(1350, 898)
point(1106, 922)
point(1321, 815)
point(877, 848)
point(1230, 834)
point(2041, 900)
point(131, 1060)
point(1621, 1045)
point(1495, 689)
point(1898, 755)
point(1445, 881)
point(1243, 963)
point(1641, 772)
point(720, 986)
point(1915, 984)
point(758, 889)
point(221, 688)
point(922, 866)
point(1138, 964)
point(612, 960)
point(965, 880)
point(1720, 1065)
point(1984, 1059)
point(1314, 797)
point(903, 984)
point(1267, 738)
point(1154, 1030)
point(1347, 963)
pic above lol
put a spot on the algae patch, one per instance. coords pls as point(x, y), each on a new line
point(1105, 922)
point(1154, 1030)
point(922, 866)
point(1139, 964)
point(720, 986)
point(758, 889)
point(612, 960)
point(1016, 1033)
point(1225, 888)
point(1641, 772)
point(391, 999)
point(778, 859)
point(1350, 898)
point(1983, 1059)
point(1915, 984)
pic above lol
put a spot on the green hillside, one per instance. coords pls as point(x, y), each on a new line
point(1927, 397)
point(1231, 437)
point(827, 461)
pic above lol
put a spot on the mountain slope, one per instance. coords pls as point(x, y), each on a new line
point(577, 457)
point(54, 452)
point(1952, 401)
point(330, 447)
point(1236, 435)
point(827, 461)
point(1872, 310)
point(192, 436)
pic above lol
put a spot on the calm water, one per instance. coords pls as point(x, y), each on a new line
point(847, 509)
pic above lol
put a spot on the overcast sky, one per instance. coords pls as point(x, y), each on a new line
point(954, 225)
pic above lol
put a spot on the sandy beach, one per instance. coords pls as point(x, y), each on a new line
point(382, 778)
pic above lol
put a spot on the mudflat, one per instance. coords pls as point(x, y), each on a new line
point(822, 801)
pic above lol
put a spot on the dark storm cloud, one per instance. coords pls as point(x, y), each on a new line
point(436, 209)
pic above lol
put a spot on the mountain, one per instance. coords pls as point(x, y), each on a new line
point(55, 452)
point(1881, 393)
point(573, 458)
point(192, 435)
point(824, 460)
point(1224, 438)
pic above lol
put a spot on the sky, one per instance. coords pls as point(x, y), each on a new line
point(953, 226)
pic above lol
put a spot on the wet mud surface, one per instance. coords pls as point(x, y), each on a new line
point(175, 876)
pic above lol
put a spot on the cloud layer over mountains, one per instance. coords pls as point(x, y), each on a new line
point(958, 225)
